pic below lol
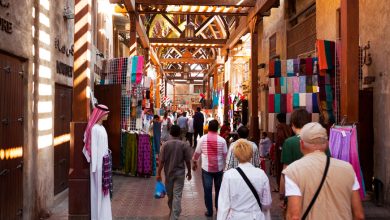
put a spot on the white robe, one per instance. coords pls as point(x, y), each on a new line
point(100, 204)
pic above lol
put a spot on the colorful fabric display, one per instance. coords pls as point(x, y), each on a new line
point(144, 163)
point(134, 62)
point(128, 74)
point(283, 85)
point(278, 68)
point(290, 106)
point(290, 67)
point(277, 86)
point(277, 103)
point(296, 100)
point(302, 67)
point(309, 84)
point(309, 104)
point(295, 84)
point(140, 64)
point(309, 66)
point(283, 103)
point(271, 86)
point(302, 84)
point(302, 99)
point(283, 64)
point(290, 85)
point(271, 68)
point(329, 95)
point(326, 54)
point(271, 103)
point(315, 66)
point(296, 67)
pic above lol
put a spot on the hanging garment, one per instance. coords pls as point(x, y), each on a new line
point(309, 104)
point(271, 103)
point(302, 67)
point(277, 103)
point(296, 100)
point(140, 64)
point(283, 103)
point(309, 66)
point(302, 99)
point(302, 84)
point(290, 106)
point(271, 68)
point(315, 66)
point(131, 155)
point(290, 67)
point(295, 80)
point(153, 156)
point(326, 54)
point(122, 149)
point(283, 85)
point(271, 122)
point(277, 86)
point(290, 85)
point(278, 68)
point(309, 84)
point(296, 67)
point(315, 103)
point(283, 64)
point(144, 163)
point(271, 86)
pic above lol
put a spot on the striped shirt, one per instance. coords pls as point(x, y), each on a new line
point(232, 161)
point(213, 149)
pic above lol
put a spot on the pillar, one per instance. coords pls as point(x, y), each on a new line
point(349, 60)
point(226, 102)
point(253, 102)
point(79, 186)
point(133, 34)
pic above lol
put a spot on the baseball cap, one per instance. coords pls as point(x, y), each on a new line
point(314, 133)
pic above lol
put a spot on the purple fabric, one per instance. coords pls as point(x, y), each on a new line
point(144, 154)
point(354, 156)
point(107, 175)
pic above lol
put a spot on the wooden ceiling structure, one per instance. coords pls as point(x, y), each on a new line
point(218, 26)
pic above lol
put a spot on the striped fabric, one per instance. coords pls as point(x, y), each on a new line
point(213, 150)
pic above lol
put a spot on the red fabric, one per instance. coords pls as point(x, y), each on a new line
point(271, 103)
point(322, 63)
point(96, 115)
point(309, 66)
point(271, 68)
point(278, 89)
point(224, 132)
point(290, 103)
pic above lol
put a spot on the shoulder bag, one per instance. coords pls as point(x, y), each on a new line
point(250, 186)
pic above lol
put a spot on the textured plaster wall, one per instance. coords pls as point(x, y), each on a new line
point(275, 23)
point(374, 27)
point(326, 15)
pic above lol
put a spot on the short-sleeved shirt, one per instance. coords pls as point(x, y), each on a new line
point(174, 153)
point(291, 150)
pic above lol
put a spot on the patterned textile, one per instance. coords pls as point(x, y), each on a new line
point(283, 64)
point(296, 66)
point(283, 85)
point(277, 86)
point(302, 84)
point(271, 69)
point(290, 67)
point(290, 106)
point(309, 66)
point(271, 86)
point(271, 101)
point(278, 68)
point(277, 103)
point(144, 164)
point(107, 174)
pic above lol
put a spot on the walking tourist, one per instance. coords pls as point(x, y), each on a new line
point(245, 191)
point(198, 125)
point(182, 121)
point(320, 187)
point(265, 145)
point(156, 127)
point(213, 150)
point(97, 153)
point(190, 133)
point(165, 126)
point(232, 161)
point(175, 155)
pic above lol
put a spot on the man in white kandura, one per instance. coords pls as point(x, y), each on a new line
point(98, 155)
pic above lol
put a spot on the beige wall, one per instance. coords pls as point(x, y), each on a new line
point(374, 27)
point(184, 93)
point(326, 12)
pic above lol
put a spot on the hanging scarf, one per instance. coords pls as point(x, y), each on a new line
point(107, 174)
point(98, 112)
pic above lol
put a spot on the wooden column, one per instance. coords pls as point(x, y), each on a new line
point(253, 101)
point(350, 60)
point(79, 185)
point(133, 34)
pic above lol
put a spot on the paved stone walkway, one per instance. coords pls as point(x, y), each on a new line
point(133, 199)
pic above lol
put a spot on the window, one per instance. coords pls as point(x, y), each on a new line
point(272, 46)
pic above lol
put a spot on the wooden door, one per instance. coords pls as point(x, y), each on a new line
point(62, 118)
point(110, 95)
point(12, 90)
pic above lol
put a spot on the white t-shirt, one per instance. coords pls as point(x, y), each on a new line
point(292, 188)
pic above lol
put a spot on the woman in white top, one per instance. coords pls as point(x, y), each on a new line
point(166, 125)
point(236, 200)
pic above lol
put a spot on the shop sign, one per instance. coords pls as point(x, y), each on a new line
point(63, 49)
point(64, 69)
point(5, 25)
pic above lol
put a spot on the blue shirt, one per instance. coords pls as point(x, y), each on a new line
point(182, 122)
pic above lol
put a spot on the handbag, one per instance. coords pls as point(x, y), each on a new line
point(250, 186)
point(318, 190)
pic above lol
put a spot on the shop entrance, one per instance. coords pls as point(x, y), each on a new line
point(12, 90)
point(62, 118)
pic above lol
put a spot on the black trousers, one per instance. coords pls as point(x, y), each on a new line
point(197, 131)
point(190, 137)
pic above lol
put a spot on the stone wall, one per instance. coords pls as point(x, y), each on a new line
point(326, 12)
point(374, 27)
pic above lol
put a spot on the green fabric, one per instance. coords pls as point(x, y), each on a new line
point(296, 100)
point(277, 103)
point(130, 160)
point(153, 156)
point(291, 150)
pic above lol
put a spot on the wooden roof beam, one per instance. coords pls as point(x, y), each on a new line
point(204, 25)
point(195, 13)
point(188, 60)
point(173, 25)
point(185, 41)
point(228, 3)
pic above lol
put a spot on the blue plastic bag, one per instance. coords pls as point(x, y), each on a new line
point(160, 190)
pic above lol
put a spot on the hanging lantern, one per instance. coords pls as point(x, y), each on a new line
point(189, 32)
